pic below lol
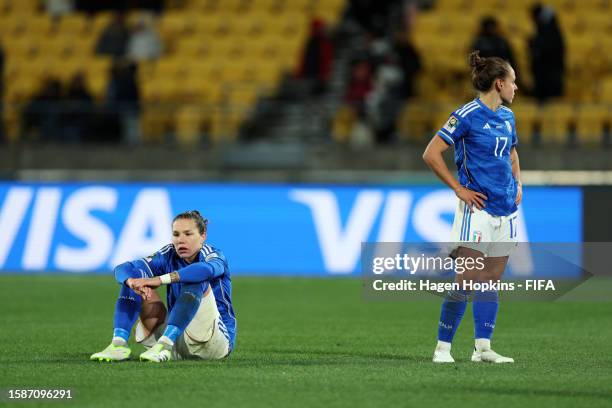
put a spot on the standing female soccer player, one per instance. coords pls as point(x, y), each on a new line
point(483, 134)
point(201, 321)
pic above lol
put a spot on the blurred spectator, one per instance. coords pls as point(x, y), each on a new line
point(491, 43)
point(317, 58)
point(547, 54)
point(409, 62)
point(359, 87)
point(42, 115)
point(2, 138)
point(123, 100)
point(59, 8)
point(78, 110)
point(113, 39)
point(144, 43)
point(385, 100)
point(372, 15)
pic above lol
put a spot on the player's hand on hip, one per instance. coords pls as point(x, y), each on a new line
point(471, 198)
point(519, 194)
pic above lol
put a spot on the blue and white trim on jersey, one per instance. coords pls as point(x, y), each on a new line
point(467, 108)
point(166, 249)
point(445, 136)
point(465, 224)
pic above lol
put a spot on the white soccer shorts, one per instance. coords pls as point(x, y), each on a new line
point(492, 235)
point(203, 338)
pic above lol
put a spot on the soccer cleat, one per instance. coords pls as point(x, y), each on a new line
point(490, 356)
point(158, 353)
point(442, 355)
point(112, 353)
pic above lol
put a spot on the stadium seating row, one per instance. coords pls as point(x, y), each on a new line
point(555, 121)
point(220, 56)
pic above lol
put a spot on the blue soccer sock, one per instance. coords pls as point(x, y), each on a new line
point(485, 309)
point(127, 309)
point(184, 310)
point(452, 312)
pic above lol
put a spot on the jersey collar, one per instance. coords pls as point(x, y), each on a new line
point(486, 108)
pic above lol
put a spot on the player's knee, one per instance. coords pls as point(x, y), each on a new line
point(193, 291)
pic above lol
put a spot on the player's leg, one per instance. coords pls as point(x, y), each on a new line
point(184, 310)
point(486, 303)
point(127, 308)
point(206, 336)
point(152, 321)
point(455, 302)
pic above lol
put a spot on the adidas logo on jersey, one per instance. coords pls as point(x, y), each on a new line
point(486, 126)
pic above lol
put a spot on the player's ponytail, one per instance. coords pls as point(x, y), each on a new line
point(201, 222)
point(486, 70)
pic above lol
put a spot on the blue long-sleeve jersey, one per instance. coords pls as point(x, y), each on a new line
point(483, 140)
point(211, 266)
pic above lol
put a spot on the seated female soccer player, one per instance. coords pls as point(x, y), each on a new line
point(201, 321)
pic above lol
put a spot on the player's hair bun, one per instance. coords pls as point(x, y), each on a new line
point(476, 61)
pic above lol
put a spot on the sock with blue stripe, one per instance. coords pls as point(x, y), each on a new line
point(183, 311)
point(127, 309)
point(486, 304)
point(452, 312)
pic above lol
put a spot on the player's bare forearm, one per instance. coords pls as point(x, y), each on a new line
point(516, 173)
point(434, 158)
point(516, 167)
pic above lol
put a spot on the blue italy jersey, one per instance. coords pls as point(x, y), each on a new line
point(483, 140)
point(166, 260)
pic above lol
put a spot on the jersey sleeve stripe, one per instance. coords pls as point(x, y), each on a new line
point(465, 107)
point(473, 108)
point(446, 138)
point(144, 261)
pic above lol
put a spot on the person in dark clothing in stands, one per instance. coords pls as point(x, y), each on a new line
point(547, 50)
point(41, 119)
point(78, 110)
point(317, 58)
point(123, 100)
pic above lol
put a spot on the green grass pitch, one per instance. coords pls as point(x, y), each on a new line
point(306, 342)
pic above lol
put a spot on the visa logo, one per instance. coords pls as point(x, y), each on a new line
point(81, 214)
point(341, 244)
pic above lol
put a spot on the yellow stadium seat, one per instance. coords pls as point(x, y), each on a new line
point(188, 123)
point(526, 117)
point(591, 120)
point(342, 124)
point(414, 122)
point(606, 90)
point(262, 5)
point(155, 122)
point(225, 124)
point(74, 24)
point(21, 48)
point(22, 88)
point(100, 21)
point(557, 118)
point(22, 7)
point(242, 96)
